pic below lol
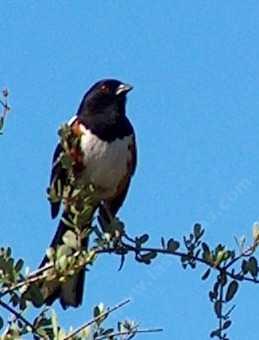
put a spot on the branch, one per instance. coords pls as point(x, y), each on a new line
point(37, 274)
point(20, 317)
point(245, 253)
point(33, 277)
point(180, 254)
point(130, 332)
point(97, 318)
point(220, 311)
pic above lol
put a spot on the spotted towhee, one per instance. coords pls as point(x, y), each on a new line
point(107, 161)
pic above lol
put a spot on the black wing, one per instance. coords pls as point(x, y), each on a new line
point(59, 175)
point(115, 203)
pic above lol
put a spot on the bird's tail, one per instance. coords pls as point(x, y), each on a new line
point(70, 292)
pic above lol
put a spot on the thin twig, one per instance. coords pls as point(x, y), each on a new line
point(97, 318)
point(3, 104)
point(36, 275)
point(178, 254)
point(20, 317)
point(247, 252)
point(221, 308)
point(201, 260)
point(129, 332)
point(33, 277)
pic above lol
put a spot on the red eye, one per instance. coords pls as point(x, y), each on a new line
point(105, 89)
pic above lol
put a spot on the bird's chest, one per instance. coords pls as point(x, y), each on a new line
point(106, 163)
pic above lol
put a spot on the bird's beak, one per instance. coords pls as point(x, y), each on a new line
point(123, 88)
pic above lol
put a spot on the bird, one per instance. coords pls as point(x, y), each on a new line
point(108, 162)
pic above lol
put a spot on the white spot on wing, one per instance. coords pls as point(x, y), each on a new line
point(72, 120)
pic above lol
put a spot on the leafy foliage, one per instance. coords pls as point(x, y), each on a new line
point(224, 269)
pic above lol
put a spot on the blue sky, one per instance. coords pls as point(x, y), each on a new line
point(195, 108)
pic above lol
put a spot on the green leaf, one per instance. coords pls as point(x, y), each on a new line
point(19, 265)
point(256, 231)
point(8, 251)
point(1, 122)
point(229, 254)
point(9, 267)
point(22, 303)
point(244, 266)
point(172, 245)
point(226, 324)
point(250, 266)
point(96, 311)
point(50, 252)
point(86, 333)
point(144, 238)
point(206, 274)
point(108, 331)
point(216, 333)
point(163, 242)
point(231, 291)
point(198, 231)
point(3, 264)
point(205, 247)
point(14, 300)
point(146, 258)
point(219, 248)
point(62, 262)
point(99, 311)
point(1, 322)
point(68, 221)
point(216, 287)
point(212, 296)
point(206, 255)
point(70, 239)
point(63, 250)
point(253, 266)
point(54, 321)
point(220, 257)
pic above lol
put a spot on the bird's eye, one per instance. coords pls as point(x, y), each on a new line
point(105, 89)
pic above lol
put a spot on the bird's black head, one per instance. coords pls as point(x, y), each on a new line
point(106, 99)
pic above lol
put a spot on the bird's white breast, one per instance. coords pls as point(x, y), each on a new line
point(106, 163)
